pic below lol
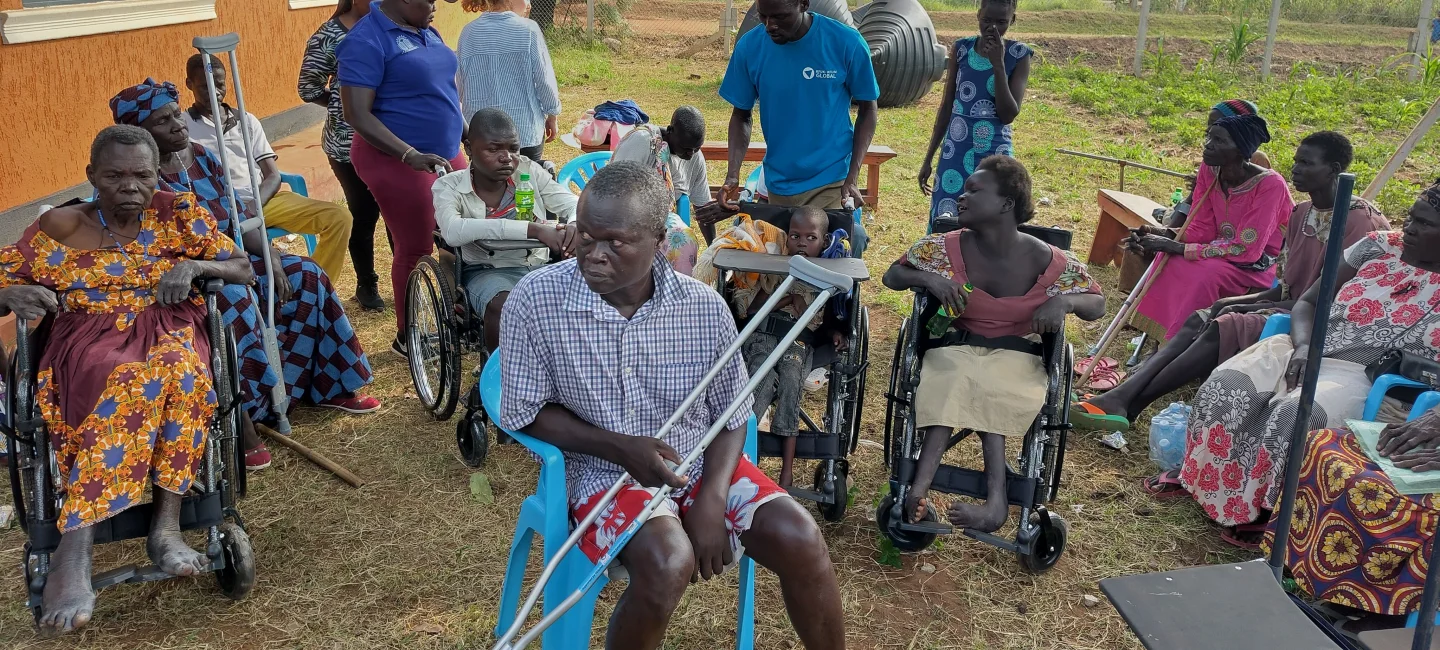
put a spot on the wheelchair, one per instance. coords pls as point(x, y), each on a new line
point(833, 440)
point(210, 505)
point(441, 327)
point(1040, 535)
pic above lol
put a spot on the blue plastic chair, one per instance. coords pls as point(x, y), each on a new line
point(1280, 324)
point(297, 185)
point(547, 513)
point(1275, 325)
point(582, 168)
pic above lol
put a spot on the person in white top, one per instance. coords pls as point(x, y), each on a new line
point(478, 204)
point(329, 222)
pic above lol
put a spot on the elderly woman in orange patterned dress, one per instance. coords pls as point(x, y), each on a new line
point(123, 384)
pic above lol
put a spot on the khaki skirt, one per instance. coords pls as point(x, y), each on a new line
point(982, 389)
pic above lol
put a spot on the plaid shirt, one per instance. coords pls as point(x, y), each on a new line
point(562, 344)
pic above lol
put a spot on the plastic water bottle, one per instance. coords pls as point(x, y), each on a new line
point(525, 199)
point(1177, 196)
point(1167, 436)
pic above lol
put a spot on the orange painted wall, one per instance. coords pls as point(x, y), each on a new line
point(58, 90)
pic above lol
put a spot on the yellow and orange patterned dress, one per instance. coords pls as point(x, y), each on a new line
point(123, 383)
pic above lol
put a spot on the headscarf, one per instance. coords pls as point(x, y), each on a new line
point(134, 104)
point(1248, 132)
point(1234, 107)
point(1431, 195)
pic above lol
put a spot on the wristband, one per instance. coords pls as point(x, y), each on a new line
point(405, 155)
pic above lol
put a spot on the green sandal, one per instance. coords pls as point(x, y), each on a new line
point(1085, 415)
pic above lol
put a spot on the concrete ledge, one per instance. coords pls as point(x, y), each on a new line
point(72, 20)
point(278, 128)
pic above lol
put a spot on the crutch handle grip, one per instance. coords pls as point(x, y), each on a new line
point(812, 274)
point(216, 44)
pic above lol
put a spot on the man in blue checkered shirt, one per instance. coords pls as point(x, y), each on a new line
point(597, 353)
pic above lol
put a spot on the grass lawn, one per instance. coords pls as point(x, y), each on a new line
point(413, 560)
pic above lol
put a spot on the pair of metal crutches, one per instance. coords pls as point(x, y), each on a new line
point(227, 44)
point(830, 284)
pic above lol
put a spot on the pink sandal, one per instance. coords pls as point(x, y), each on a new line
point(1164, 486)
point(1104, 378)
point(1104, 362)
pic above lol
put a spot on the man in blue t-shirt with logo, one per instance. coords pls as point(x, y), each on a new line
point(805, 69)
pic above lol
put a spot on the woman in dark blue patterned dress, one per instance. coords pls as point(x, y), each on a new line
point(321, 356)
point(983, 93)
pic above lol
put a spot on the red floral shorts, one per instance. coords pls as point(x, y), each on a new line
point(750, 488)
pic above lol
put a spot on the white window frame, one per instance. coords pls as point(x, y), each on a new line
point(311, 4)
point(102, 17)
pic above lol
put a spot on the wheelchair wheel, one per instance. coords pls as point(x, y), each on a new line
point(232, 449)
point(472, 434)
point(1047, 546)
point(862, 356)
point(834, 512)
point(432, 339)
point(238, 577)
point(904, 541)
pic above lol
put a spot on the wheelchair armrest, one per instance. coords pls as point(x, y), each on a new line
point(497, 245)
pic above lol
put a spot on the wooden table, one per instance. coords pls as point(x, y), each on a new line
point(1119, 212)
point(877, 155)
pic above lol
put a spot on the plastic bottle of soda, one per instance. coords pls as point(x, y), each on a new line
point(525, 199)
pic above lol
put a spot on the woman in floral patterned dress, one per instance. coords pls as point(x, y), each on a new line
point(1240, 433)
point(123, 384)
point(1355, 540)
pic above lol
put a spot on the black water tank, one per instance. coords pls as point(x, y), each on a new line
point(837, 9)
point(907, 58)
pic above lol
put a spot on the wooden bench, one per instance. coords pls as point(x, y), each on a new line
point(1119, 212)
point(877, 155)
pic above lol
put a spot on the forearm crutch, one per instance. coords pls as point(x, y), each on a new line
point(227, 44)
point(830, 284)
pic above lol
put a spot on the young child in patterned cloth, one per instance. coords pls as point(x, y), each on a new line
point(807, 236)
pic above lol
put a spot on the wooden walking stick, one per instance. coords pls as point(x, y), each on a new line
point(1127, 309)
point(311, 455)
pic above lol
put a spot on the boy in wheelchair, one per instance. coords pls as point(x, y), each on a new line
point(808, 235)
point(983, 372)
point(475, 210)
point(124, 385)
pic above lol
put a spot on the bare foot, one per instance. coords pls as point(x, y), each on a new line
point(786, 478)
point(168, 550)
point(68, 600)
point(916, 506)
point(983, 518)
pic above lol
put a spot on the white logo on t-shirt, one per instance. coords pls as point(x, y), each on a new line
point(405, 44)
point(811, 73)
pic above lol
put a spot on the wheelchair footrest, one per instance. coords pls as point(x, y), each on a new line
point(810, 495)
point(809, 445)
point(1020, 491)
point(991, 539)
point(926, 527)
point(132, 573)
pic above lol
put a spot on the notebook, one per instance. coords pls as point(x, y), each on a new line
point(1406, 481)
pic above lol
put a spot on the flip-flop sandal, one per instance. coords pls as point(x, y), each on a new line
point(1253, 528)
point(1104, 379)
point(1163, 486)
point(1232, 537)
point(1084, 364)
point(1085, 415)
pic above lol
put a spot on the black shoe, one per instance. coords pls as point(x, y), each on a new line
point(398, 347)
point(369, 298)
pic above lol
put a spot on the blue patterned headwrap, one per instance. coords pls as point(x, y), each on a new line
point(134, 104)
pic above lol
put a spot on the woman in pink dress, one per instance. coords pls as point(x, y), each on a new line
point(1234, 237)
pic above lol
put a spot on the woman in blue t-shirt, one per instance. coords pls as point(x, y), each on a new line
point(983, 92)
point(397, 85)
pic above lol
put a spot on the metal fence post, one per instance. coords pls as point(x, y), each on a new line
point(727, 24)
point(1422, 36)
point(1270, 38)
point(590, 18)
point(1140, 40)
